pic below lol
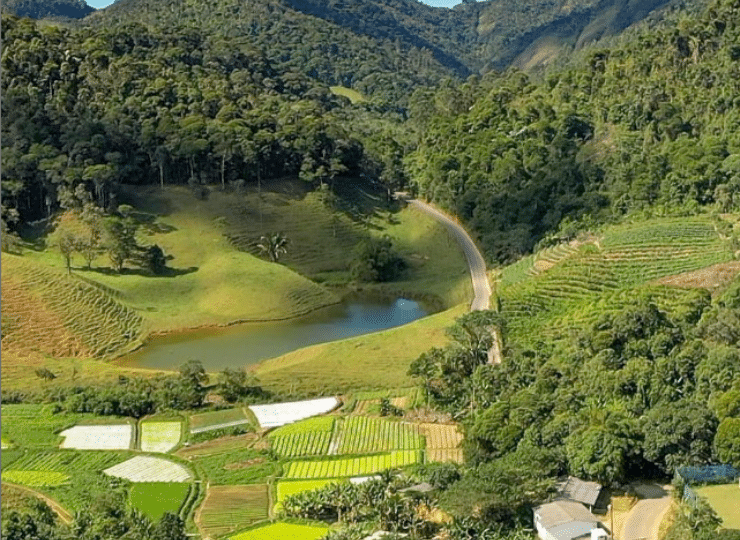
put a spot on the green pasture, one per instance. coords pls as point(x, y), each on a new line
point(725, 499)
point(156, 498)
point(283, 531)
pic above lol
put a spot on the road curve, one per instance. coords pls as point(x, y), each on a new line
point(644, 519)
point(481, 287)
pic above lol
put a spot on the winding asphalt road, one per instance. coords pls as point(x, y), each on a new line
point(481, 287)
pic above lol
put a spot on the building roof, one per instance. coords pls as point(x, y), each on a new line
point(553, 515)
point(576, 489)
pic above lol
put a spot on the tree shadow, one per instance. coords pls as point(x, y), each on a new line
point(165, 273)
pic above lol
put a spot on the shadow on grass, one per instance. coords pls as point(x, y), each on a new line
point(166, 272)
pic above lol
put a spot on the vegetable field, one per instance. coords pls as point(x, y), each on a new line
point(246, 466)
point(335, 468)
point(149, 469)
point(230, 508)
point(33, 426)
point(309, 437)
point(209, 421)
point(107, 437)
point(35, 478)
point(363, 435)
point(442, 442)
point(285, 488)
point(159, 436)
point(283, 531)
point(156, 498)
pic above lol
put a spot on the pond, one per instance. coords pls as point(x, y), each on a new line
point(245, 344)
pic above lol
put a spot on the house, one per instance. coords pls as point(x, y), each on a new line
point(567, 520)
point(578, 490)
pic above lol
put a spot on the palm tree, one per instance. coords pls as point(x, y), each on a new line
point(274, 245)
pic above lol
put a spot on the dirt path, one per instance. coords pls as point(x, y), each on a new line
point(643, 521)
point(57, 508)
point(481, 287)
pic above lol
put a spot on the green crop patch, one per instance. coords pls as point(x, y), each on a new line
point(72, 477)
point(309, 437)
point(34, 426)
point(286, 488)
point(35, 478)
point(324, 424)
point(363, 435)
point(357, 466)
point(245, 466)
point(156, 498)
point(283, 531)
point(160, 436)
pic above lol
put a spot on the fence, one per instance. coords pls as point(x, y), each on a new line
point(707, 474)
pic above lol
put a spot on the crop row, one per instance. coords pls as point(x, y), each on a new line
point(302, 444)
point(358, 466)
point(216, 419)
point(35, 478)
point(66, 461)
point(159, 436)
point(361, 434)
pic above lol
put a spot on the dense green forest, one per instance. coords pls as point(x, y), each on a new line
point(647, 125)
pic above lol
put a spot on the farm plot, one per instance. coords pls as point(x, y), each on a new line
point(34, 426)
point(309, 437)
point(283, 531)
point(246, 466)
point(442, 442)
point(286, 488)
point(159, 436)
point(149, 469)
point(363, 435)
point(229, 508)
point(156, 498)
point(110, 437)
point(279, 414)
point(217, 446)
point(210, 421)
point(337, 468)
point(55, 467)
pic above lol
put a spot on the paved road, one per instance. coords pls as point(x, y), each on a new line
point(481, 287)
point(644, 519)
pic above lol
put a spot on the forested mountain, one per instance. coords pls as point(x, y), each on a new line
point(39, 9)
point(652, 124)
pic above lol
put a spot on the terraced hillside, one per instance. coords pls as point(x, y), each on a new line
point(48, 311)
point(540, 287)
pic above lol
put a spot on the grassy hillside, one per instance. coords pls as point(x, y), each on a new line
point(217, 276)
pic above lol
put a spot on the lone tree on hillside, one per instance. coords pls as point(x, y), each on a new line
point(67, 246)
point(274, 245)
